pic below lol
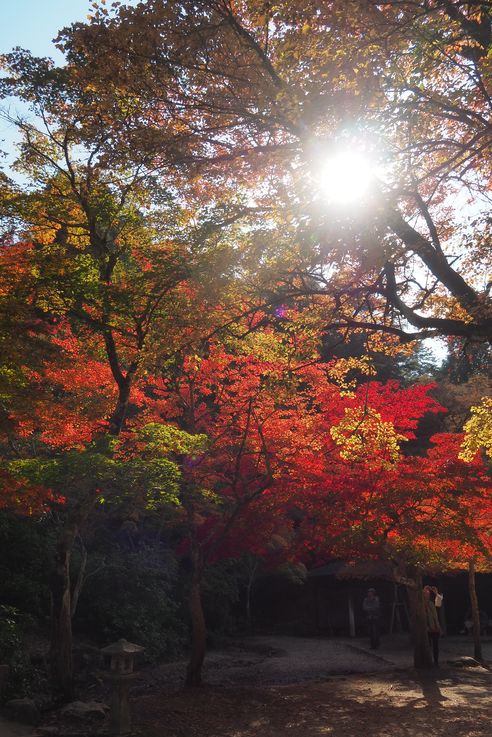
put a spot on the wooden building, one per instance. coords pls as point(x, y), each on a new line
point(329, 602)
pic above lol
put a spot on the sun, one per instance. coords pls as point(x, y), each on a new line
point(345, 177)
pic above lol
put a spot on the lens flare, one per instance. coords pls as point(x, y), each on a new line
point(345, 177)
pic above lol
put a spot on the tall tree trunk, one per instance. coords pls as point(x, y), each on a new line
point(117, 419)
point(198, 627)
point(61, 665)
point(477, 644)
point(79, 583)
point(251, 569)
point(422, 656)
point(62, 605)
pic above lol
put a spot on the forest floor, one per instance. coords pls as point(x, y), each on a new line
point(306, 687)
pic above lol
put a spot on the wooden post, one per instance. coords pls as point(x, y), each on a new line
point(351, 614)
point(394, 608)
point(477, 643)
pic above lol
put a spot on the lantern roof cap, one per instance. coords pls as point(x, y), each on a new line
point(122, 647)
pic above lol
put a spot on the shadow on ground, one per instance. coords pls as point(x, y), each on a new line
point(376, 699)
point(396, 705)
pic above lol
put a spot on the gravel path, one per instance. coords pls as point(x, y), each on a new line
point(273, 660)
point(282, 660)
point(299, 687)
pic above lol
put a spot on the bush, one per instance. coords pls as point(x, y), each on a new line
point(25, 564)
point(132, 595)
point(10, 632)
point(23, 677)
point(221, 586)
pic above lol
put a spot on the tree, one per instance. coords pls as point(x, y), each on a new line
point(242, 398)
point(274, 416)
point(419, 513)
point(478, 431)
point(270, 89)
point(103, 256)
point(88, 475)
point(76, 285)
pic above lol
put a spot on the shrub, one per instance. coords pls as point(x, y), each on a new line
point(27, 545)
point(221, 586)
point(10, 632)
point(132, 595)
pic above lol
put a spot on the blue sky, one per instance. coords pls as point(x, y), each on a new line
point(32, 24)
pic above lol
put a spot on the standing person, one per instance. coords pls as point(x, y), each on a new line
point(372, 610)
point(431, 595)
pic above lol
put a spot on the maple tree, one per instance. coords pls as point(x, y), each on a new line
point(420, 513)
point(283, 435)
point(242, 398)
point(79, 266)
point(478, 431)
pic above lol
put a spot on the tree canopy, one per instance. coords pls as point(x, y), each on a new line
point(258, 94)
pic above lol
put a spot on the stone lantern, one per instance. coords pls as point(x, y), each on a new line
point(120, 676)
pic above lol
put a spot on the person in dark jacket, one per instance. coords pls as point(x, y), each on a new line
point(372, 611)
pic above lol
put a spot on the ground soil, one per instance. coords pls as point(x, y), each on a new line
point(263, 689)
point(392, 704)
point(303, 687)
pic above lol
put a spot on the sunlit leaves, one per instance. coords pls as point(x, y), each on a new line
point(166, 439)
point(478, 431)
point(362, 436)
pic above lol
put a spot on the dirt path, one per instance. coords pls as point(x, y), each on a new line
point(276, 660)
point(281, 660)
point(292, 687)
point(380, 705)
